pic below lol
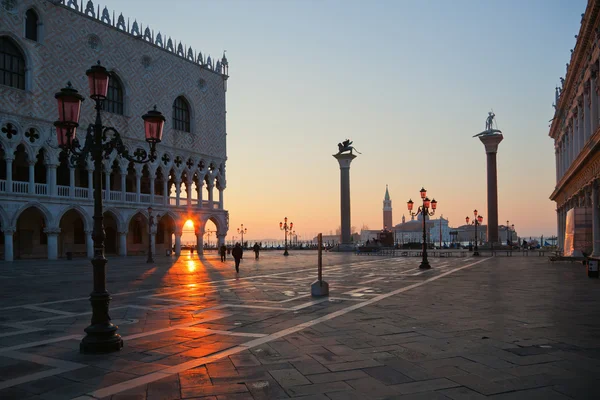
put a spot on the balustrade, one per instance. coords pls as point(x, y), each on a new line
point(81, 193)
point(130, 197)
point(144, 198)
point(20, 187)
point(2, 185)
point(116, 196)
point(63, 191)
point(41, 188)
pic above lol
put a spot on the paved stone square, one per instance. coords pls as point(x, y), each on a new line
point(469, 328)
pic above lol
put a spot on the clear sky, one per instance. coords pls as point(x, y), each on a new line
point(410, 82)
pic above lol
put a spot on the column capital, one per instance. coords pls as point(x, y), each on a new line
point(9, 230)
point(52, 231)
point(344, 159)
point(491, 142)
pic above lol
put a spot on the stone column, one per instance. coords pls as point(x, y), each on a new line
point(200, 186)
point(200, 242)
point(177, 192)
point(138, 185)
point(594, 101)
point(344, 161)
point(123, 244)
point(31, 177)
point(221, 239)
point(153, 242)
point(557, 164)
point(582, 133)
point(596, 218)
point(567, 153)
point(123, 186)
point(166, 194)
point(8, 244)
point(221, 198)
point(587, 121)
point(90, 183)
point(178, 234)
point(89, 244)
point(491, 143)
point(51, 179)
point(52, 235)
point(9, 162)
point(72, 182)
point(210, 187)
point(188, 189)
point(152, 188)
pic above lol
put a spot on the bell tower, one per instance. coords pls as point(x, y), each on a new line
point(387, 210)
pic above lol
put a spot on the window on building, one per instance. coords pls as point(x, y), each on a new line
point(31, 25)
point(114, 97)
point(12, 64)
point(181, 115)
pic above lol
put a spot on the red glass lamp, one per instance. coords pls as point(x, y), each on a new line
point(154, 123)
point(69, 109)
point(98, 78)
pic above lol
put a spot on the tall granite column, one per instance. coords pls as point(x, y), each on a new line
point(491, 143)
point(344, 160)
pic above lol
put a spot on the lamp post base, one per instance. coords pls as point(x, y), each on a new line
point(424, 265)
point(101, 336)
point(150, 260)
point(285, 253)
point(475, 253)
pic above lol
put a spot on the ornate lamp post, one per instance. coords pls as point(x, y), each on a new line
point(285, 227)
point(241, 230)
point(150, 258)
point(424, 211)
point(477, 220)
point(100, 142)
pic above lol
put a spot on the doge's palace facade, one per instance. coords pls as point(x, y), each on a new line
point(46, 206)
point(576, 134)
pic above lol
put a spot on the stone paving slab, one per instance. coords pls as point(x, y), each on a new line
point(466, 329)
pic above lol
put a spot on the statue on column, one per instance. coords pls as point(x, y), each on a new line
point(346, 145)
point(489, 126)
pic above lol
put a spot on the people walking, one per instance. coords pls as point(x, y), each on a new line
point(256, 249)
point(222, 251)
point(237, 254)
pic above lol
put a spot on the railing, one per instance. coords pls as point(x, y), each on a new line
point(20, 187)
point(41, 188)
point(81, 193)
point(115, 196)
point(63, 191)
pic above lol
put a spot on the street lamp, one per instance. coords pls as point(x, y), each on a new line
point(424, 211)
point(241, 230)
point(150, 258)
point(100, 142)
point(208, 233)
point(285, 227)
point(477, 220)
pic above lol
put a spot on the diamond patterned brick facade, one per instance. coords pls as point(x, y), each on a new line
point(72, 36)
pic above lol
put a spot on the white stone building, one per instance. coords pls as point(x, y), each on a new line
point(576, 138)
point(46, 206)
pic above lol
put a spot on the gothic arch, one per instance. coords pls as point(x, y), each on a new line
point(87, 223)
point(217, 220)
point(118, 217)
point(141, 211)
point(48, 220)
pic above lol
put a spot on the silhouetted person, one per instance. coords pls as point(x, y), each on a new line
point(222, 252)
point(237, 254)
point(524, 244)
point(256, 249)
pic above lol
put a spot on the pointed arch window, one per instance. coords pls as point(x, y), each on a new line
point(114, 97)
point(31, 25)
point(12, 64)
point(181, 115)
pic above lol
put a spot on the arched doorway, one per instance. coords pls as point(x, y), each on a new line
point(30, 240)
point(137, 235)
point(210, 239)
point(164, 234)
point(72, 237)
point(110, 232)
